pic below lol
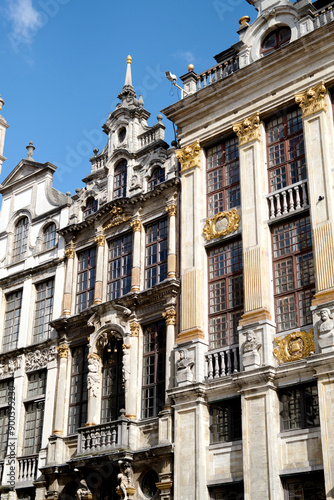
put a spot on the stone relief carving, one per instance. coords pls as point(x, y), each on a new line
point(221, 224)
point(294, 346)
point(312, 100)
point(8, 366)
point(93, 377)
point(184, 368)
point(126, 364)
point(125, 488)
point(40, 358)
point(326, 330)
point(250, 353)
point(83, 492)
point(189, 156)
point(248, 130)
point(117, 218)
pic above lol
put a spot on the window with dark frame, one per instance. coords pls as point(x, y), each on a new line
point(156, 253)
point(285, 150)
point(86, 279)
point(309, 486)
point(6, 387)
point(12, 320)
point(157, 177)
point(43, 310)
point(20, 243)
point(225, 293)
point(77, 416)
point(276, 39)
point(154, 362)
point(119, 266)
point(299, 407)
point(234, 491)
point(91, 207)
point(49, 236)
point(120, 176)
point(225, 421)
point(34, 412)
point(293, 273)
point(113, 398)
point(223, 179)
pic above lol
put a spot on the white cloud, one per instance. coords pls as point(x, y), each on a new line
point(25, 18)
point(185, 55)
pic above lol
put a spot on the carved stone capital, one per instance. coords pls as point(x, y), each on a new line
point(93, 355)
point(100, 240)
point(136, 225)
point(134, 329)
point(221, 224)
point(248, 130)
point(189, 157)
point(117, 218)
point(69, 253)
point(170, 316)
point(313, 99)
point(294, 346)
point(62, 351)
point(171, 210)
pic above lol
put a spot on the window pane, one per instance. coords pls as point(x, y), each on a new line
point(43, 310)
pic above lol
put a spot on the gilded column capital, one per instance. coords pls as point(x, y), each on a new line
point(62, 351)
point(189, 156)
point(93, 355)
point(134, 329)
point(248, 130)
point(313, 99)
point(69, 253)
point(171, 210)
point(170, 316)
point(136, 225)
point(100, 240)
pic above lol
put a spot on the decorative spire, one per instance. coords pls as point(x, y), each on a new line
point(128, 77)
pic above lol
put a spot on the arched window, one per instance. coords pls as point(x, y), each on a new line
point(120, 180)
point(158, 176)
point(112, 383)
point(20, 239)
point(91, 207)
point(275, 40)
point(49, 236)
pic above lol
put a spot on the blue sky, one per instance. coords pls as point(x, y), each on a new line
point(63, 64)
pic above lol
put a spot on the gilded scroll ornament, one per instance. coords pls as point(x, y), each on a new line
point(171, 210)
point(134, 329)
point(170, 316)
point(221, 224)
point(62, 351)
point(117, 218)
point(189, 157)
point(295, 346)
point(100, 240)
point(69, 253)
point(313, 99)
point(136, 225)
point(248, 130)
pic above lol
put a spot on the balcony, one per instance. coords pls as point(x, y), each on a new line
point(217, 72)
point(154, 134)
point(290, 199)
point(28, 469)
point(103, 437)
point(223, 362)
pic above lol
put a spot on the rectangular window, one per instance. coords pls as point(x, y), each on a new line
point(309, 486)
point(285, 149)
point(43, 310)
point(293, 273)
point(299, 407)
point(223, 177)
point(86, 278)
point(153, 392)
point(78, 389)
point(156, 253)
point(112, 381)
point(225, 421)
point(5, 388)
point(12, 320)
point(234, 491)
point(119, 266)
point(34, 413)
point(225, 294)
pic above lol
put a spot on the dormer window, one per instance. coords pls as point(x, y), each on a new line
point(49, 236)
point(120, 179)
point(20, 239)
point(275, 40)
point(158, 176)
point(91, 207)
point(121, 135)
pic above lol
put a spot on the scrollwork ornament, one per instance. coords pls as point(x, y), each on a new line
point(189, 157)
point(134, 329)
point(294, 346)
point(40, 358)
point(117, 218)
point(313, 99)
point(221, 224)
point(136, 225)
point(248, 130)
point(170, 317)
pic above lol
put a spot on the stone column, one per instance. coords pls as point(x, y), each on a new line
point(100, 241)
point(94, 389)
point(319, 137)
point(132, 392)
point(59, 415)
point(135, 279)
point(171, 210)
point(170, 317)
point(67, 300)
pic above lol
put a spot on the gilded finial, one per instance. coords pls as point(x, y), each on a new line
point(191, 67)
point(244, 20)
point(129, 59)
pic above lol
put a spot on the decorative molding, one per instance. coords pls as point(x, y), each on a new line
point(313, 99)
point(170, 316)
point(171, 210)
point(164, 485)
point(39, 359)
point(8, 366)
point(93, 355)
point(221, 224)
point(62, 351)
point(69, 253)
point(248, 130)
point(189, 157)
point(134, 329)
point(136, 225)
point(100, 240)
point(294, 346)
point(117, 218)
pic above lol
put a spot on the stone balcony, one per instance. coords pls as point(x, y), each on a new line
point(103, 437)
point(223, 362)
point(27, 470)
point(290, 199)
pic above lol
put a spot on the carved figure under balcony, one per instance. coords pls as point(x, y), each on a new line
point(93, 377)
point(326, 330)
point(184, 368)
point(125, 488)
point(251, 357)
point(83, 492)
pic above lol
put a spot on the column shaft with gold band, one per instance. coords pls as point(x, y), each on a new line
point(100, 241)
point(67, 300)
point(135, 279)
point(171, 210)
point(59, 415)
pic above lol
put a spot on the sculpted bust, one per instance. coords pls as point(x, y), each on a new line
point(327, 324)
point(251, 343)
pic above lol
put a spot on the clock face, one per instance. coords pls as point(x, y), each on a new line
point(148, 484)
point(221, 224)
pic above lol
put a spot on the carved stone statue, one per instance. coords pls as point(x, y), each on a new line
point(251, 357)
point(126, 368)
point(184, 368)
point(326, 330)
point(83, 492)
point(93, 377)
point(125, 487)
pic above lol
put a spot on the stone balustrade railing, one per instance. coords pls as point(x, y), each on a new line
point(217, 72)
point(28, 470)
point(324, 16)
point(288, 200)
point(156, 133)
point(223, 362)
point(103, 437)
point(98, 161)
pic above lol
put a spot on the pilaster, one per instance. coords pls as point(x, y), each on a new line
point(59, 415)
point(171, 266)
point(67, 300)
point(135, 279)
point(170, 317)
point(100, 242)
point(132, 410)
